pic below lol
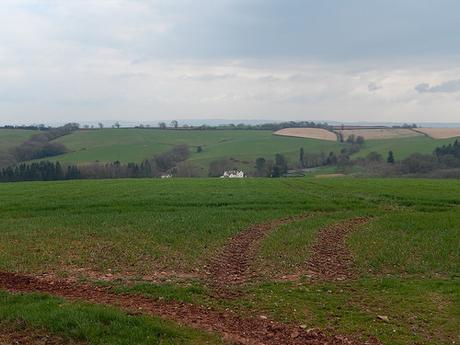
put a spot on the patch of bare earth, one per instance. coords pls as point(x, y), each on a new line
point(12, 336)
point(74, 274)
point(232, 266)
point(440, 133)
point(237, 330)
point(380, 133)
point(309, 133)
point(331, 260)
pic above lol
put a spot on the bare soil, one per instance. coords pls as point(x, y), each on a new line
point(380, 133)
point(440, 133)
point(237, 330)
point(310, 133)
point(13, 336)
point(331, 260)
point(233, 265)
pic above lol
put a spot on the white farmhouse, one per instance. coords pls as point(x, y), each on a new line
point(233, 174)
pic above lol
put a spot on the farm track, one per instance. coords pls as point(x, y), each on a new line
point(233, 328)
point(331, 260)
point(232, 266)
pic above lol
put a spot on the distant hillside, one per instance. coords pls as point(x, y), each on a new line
point(12, 137)
point(135, 145)
point(242, 147)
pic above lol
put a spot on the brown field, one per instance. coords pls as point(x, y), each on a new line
point(381, 133)
point(440, 133)
point(329, 175)
point(311, 133)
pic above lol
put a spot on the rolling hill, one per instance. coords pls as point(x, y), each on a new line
point(243, 147)
point(12, 137)
point(135, 145)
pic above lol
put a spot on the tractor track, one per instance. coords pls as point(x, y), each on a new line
point(232, 328)
point(331, 260)
point(232, 266)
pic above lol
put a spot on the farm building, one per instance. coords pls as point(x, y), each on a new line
point(233, 174)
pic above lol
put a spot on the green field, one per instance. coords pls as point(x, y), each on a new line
point(135, 145)
point(407, 256)
point(243, 147)
point(12, 137)
point(402, 147)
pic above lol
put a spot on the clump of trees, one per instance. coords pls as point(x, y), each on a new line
point(443, 162)
point(219, 166)
point(39, 145)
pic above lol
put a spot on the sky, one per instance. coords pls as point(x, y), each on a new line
point(146, 61)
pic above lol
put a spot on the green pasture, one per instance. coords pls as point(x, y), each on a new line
point(402, 147)
point(82, 323)
point(408, 255)
point(12, 137)
point(135, 145)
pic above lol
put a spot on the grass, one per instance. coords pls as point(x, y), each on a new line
point(419, 311)
point(12, 137)
point(138, 226)
point(408, 255)
point(434, 237)
point(92, 324)
point(286, 249)
point(135, 145)
point(402, 147)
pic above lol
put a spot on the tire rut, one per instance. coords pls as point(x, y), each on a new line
point(232, 266)
point(234, 329)
point(331, 260)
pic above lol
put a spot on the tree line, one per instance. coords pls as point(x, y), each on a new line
point(167, 162)
point(272, 126)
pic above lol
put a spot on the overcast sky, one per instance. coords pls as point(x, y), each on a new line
point(139, 60)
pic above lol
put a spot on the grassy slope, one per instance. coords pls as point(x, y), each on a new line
point(134, 145)
point(90, 324)
point(12, 137)
point(402, 147)
point(408, 255)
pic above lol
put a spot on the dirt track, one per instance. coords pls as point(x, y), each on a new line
point(330, 258)
point(237, 330)
point(233, 265)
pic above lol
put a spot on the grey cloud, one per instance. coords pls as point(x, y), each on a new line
point(326, 30)
point(373, 87)
point(269, 78)
point(208, 77)
point(450, 86)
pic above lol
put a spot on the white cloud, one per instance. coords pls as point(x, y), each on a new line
point(147, 60)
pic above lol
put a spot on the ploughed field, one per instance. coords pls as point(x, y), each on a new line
point(253, 261)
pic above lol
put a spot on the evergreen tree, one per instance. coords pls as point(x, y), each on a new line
point(391, 158)
point(302, 158)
